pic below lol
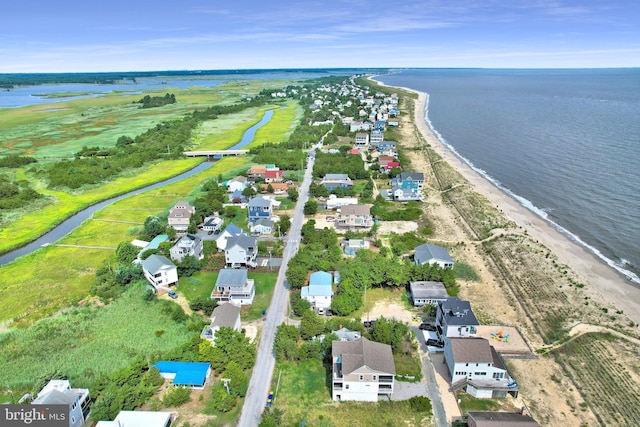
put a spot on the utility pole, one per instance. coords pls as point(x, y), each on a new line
point(270, 249)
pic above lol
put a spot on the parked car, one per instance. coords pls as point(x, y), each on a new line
point(435, 343)
point(427, 327)
point(368, 323)
point(331, 218)
point(172, 294)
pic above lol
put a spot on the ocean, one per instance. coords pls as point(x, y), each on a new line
point(564, 143)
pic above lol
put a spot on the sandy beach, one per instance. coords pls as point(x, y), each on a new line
point(612, 286)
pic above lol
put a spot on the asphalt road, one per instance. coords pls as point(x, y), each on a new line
point(260, 383)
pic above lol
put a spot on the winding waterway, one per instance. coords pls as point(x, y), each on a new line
point(71, 223)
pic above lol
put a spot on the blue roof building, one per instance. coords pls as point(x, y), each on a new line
point(190, 374)
point(319, 291)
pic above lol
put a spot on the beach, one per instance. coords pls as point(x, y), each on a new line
point(612, 286)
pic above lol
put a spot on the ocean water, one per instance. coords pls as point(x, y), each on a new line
point(564, 143)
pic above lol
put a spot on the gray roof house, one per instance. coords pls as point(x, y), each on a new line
point(231, 230)
point(499, 419)
point(475, 366)
point(345, 334)
point(426, 292)
point(241, 251)
point(433, 254)
point(59, 392)
point(362, 370)
point(187, 245)
point(336, 180)
point(224, 315)
point(160, 271)
point(233, 285)
point(455, 318)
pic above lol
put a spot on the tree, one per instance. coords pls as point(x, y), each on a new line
point(221, 401)
point(270, 188)
point(311, 207)
point(292, 193)
point(299, 305)
point(311, 325)
point(239, 380)
point(249, 192)
point(189, 265)
point(153, 226)
point(126, 252)
point(285, 223)
point(176, 397)
point(170, 232)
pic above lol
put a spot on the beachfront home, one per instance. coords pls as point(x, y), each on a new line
point(180, 215)
point(400, 194)
point(59, 392)
point(160, 271)
point(427, 293)
point(411, 180)
point(187, 245)
point(331, 181)
point(355, 217)
point(225, 315)
point(475, 366)
point(432, 254)
point(241, 251)
point(454, 318)
point(234, 286)
point(362, 370)
point(319, 292)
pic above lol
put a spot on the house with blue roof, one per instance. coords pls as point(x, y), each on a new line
point(320, 291)
point(409, 180)
point(189, 374)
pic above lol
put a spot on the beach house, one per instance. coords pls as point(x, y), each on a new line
point(454, 318)
point(319, 292)
point(180, 215)
point(362, 370)
point(432, 254)
point(234, 286)
point(59, 392)
point(160, 271)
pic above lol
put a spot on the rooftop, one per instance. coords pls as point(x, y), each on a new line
point(362, 352)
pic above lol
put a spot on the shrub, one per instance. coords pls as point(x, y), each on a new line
point(176, 397)
point(420, 404)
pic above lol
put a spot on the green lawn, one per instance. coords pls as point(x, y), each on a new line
point(304, 394)
point(191, 289)
point(264, 283)
point(470, 403)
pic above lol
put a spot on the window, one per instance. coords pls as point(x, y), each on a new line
point(375, 378)
point(361, 377)
point(346, 386)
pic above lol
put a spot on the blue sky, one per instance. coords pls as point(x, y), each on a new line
point(73, 35)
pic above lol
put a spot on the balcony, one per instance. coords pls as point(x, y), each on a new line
point(385, 379)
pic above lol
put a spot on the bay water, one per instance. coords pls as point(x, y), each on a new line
point(565, 143)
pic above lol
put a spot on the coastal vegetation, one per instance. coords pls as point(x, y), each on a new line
point(148, 101)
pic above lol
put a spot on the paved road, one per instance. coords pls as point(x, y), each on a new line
point(433, 392)
point(262, 376)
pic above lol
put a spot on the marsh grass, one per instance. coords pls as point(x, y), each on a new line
point(39, 284)
point(83, 341)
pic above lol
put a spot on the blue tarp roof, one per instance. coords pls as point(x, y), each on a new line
point(187, 373)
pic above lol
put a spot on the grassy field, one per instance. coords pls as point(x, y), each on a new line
point(58, 287)
point(605, 370)
point(33, 224)
point(83, 341)
point(304, 394)
point(281, 125)
point(264, 283)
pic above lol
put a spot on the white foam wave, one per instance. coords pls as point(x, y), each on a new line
point(529, 205)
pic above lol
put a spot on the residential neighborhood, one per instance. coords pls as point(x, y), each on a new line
point(315, 264)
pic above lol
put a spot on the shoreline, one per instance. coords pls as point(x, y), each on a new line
point(613, 286)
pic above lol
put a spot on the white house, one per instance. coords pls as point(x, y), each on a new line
point(362, 370)
point(427, 293)
point(160, 271)
point(476, 366)
point(238, 183)
point(334, 202)
point(241, 251)
point(261, 226)
point(224, 315)
point(455, 318)
point(139, 418)
point(231, 230)
point(233, 285)
point(212, 224)
point(59, 392)
point(319, 292)
point(187, 245)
